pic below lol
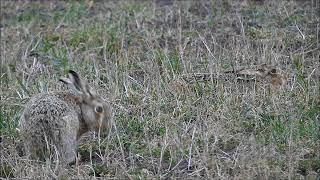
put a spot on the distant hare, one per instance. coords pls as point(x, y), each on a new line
point(53, 122)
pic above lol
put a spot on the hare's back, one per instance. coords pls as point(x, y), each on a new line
point(47, 110)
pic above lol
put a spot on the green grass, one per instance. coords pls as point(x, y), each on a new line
point(137, 55)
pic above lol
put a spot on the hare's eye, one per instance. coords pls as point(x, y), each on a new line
point(274, 71)
point(98, 109)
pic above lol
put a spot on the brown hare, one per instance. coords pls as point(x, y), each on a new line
point(52, 122)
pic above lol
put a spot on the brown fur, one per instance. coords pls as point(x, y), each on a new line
point(51, 123)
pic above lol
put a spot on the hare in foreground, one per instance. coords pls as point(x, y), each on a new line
point(51, 123)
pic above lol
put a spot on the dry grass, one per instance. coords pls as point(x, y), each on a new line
point(190, 97)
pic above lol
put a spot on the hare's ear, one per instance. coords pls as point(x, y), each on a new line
point(73, 81)
point(80, 86)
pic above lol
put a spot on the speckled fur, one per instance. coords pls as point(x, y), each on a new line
point(52, 122)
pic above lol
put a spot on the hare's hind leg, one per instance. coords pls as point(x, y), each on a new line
point(70, 138)
point(70, 153)
point(32, 141)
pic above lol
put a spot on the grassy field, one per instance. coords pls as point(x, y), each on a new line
point(180, 108)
